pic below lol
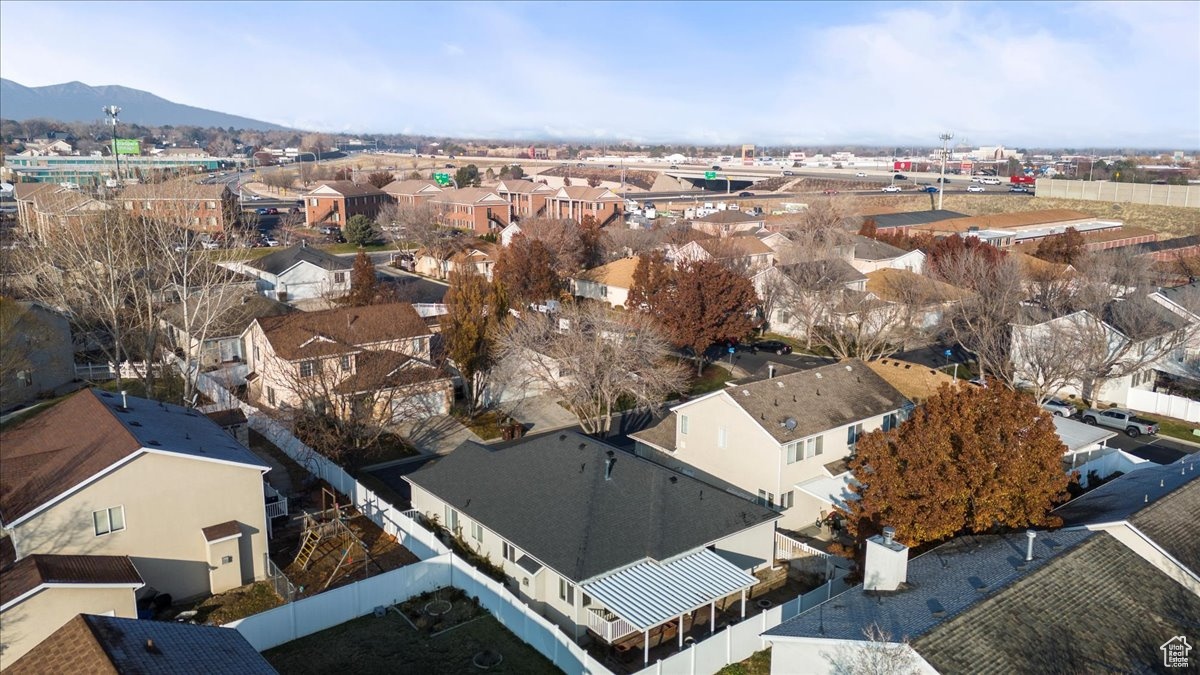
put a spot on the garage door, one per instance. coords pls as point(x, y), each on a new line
point(420, 406)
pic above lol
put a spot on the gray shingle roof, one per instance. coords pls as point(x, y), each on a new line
point(910, 218)
point(818, 400)
point(548, 495)
point(1186, 296)
point(283, 260)
point(946, 577)
point(1098, 608)
point(1119, 499)
point(866, 248)
point(179, 647)
point(1171, 523)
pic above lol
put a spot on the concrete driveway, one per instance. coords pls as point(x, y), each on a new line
point(543, 413)
point(436, 435)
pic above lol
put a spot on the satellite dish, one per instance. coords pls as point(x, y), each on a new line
point(790, 424)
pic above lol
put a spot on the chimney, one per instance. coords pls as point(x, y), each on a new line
point(608, 465)
point(886, 565)
point(1030, 535)
point(124, 399)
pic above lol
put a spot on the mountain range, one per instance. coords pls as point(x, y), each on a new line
point(78, 102)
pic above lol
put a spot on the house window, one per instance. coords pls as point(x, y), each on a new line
point(308, 368)
point(345, 362)
point(312, 202)
point(25, 378)
point(339, 277)
point(766, 499)
point(128, 206)
point(476, 531)
point(509, 552)
point(683, 424)
point(803, 449)
point(451, 518)
point(889, 422)
point(721, 437)
point(271, 395)
point(212, 205)
point(109, 520)
point(419, 345)
point(787, 500)
point(853, 433)
point(566, 591)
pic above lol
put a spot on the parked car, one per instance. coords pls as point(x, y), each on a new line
point(975, 188)
point(978, 382)
point(775, 346)
point(943, 180)
point(891, 188)
point(674, 166)
point(789, 173)
point(271, 241)
point(331, 229)
point(745, 194)
point(211, 244)
point(1125, 420)
point(829, 192)
point(716, 167)
point(449, 166)
point(975, 179)
point(272, 211)
point(861, 174)
point(900, 176)
point(1058, 407)
point(335, 238)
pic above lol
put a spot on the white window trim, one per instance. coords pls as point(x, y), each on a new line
point(108, 511)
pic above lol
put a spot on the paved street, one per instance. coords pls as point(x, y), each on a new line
point(1157, 449)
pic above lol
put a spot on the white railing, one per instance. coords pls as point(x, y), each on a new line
point(107, 371)
point(607, 625)
point(277, 508)
point(787, 548)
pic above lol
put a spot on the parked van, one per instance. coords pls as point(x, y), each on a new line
point(989, 180)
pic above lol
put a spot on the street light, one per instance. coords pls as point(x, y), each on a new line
point(942, 187)
point(112, 111)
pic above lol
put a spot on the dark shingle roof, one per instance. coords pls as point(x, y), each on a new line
point(729, 216)
point(819, 274)
point(661, 435)
point(818, 400)
point(866, 248)
point(232, 312)
point(105, 644)
point(229, 528)
point(910, 218)
point(340, 330)
point(1119, 499)
point(1186, 296)
point(1171, 523)
point(348, 188)
point(1099, 607)
point(88, 433)
point(285, 259)
point(32, 571)
point(548, 496)
point(1164, 245)
point(946, 577)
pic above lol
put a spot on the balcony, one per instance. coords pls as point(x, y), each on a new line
point(607, 625)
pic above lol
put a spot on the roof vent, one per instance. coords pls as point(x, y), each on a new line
point(848, 369)
point(745, 392)
point(124, 399)
point(790, 424)
point(935, 608)
point(819, 376)
point(583, 446)
point(608, 466)
point(1030, 535)
point(779, 384)
point(152, 442)
point(674, 479)
point(134, 423)
point(151, 647)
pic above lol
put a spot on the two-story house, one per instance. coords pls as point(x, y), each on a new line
point(727, 222)
point(39, 356)
point(475, 256)
point(333, 356)
point(598, 540)
point(609, 283)
point(209, 328)
point(782, 441)
point(106, 474)
point(335, 202)
point(299, 273)
point(745, 255)
point(528, 198)
point(870, 254)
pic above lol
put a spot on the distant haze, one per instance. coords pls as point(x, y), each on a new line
point(1063, 74)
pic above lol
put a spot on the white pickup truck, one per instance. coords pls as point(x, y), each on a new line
point(1125, 420)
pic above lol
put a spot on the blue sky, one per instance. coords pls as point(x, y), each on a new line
point(1063, 74)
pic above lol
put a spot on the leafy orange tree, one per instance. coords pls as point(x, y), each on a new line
point(976, 459)
point(525, 268)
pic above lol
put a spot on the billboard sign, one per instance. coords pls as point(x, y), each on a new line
point(902, 166)
point(127, 146)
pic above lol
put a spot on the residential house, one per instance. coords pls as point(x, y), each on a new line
point(577, 201)
point(506, 235)
point(782, 442)
point(317, 358)
point(1146, 337)
point(608, 283)
point(597, 540)
point(1184, 302)
point(478, 256)
point(53, 206)
point(42, 147)
point(109, 474)
point(870, 255)
point(91, 643)
point(217, 321)
point(478, 210)
point(923, 298)
point(209, 208)
point(528, 198)
point(299, 273)
point(726, 222)
point(335, 202)
point(793, 295)
point(412, 192)
point(40, 593)
point(746, 255)
point(39, 357)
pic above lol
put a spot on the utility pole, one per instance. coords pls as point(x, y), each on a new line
point(942, 184)
point(112, 111)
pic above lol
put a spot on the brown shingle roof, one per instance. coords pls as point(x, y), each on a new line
point(904, 285)
point(70, 649)
point(231, 314)
point(590, 194)
point(351, 189)
point(229, 528)
point(1006, 220)
point(472, 195)
point(28, 190)
point(733, 247)
point(409, 187)
point(523, 187)
point(386, 369)
point(336, 331)
point(30, 572)
point(915, 381)
point(176, 189)
point(818, 400)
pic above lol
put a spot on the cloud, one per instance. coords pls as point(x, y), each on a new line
point(1078, 74)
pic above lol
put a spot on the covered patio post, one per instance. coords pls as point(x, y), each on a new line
point(712, 617)
point(646, 647)
point(681, 631)
point(743, 603)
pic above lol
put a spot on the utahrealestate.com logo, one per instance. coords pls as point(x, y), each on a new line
point(1176, 652)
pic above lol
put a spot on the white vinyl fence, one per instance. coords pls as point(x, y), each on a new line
point(439, 567)
point(1165, 404)
point(1106, 465)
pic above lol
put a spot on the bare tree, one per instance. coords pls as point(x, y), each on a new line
point(982, 323)
point(878, 653)
point(859, 325)
point(593, 360)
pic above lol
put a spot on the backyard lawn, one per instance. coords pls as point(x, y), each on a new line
point(759, 663)
point(392, 644)
point(238, 603)
point(713, 378)
point(1176, 428)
